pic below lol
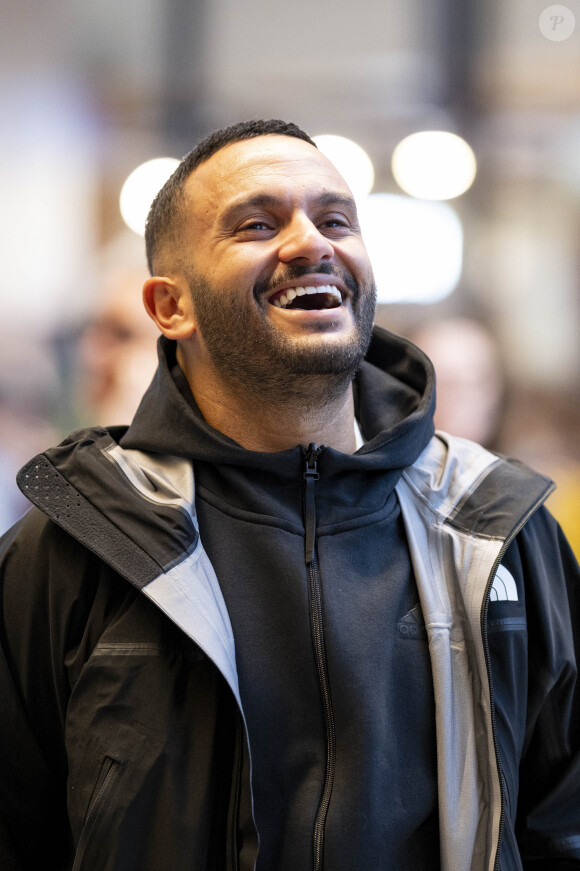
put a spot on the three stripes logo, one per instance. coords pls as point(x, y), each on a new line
point(504, 587)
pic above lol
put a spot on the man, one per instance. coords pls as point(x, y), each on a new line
point(275, 623)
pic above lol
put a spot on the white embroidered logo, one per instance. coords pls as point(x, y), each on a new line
point(504, 587)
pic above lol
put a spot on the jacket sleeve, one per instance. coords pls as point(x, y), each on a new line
point(33, 828)
point(53, 605)
point(548, 821)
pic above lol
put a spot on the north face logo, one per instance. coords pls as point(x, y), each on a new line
point(504, 587)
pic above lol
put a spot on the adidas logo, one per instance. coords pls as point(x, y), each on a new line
point(504, 587)
point(412, 624)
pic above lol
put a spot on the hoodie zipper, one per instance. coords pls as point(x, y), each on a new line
point(310, 477)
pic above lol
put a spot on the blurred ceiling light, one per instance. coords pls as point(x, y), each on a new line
point(140, 189)
point(351, 160)
point(415, 247)
point(434, 165)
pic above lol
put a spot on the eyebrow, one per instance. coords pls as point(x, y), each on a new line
point(257, 201)
point(331, 198)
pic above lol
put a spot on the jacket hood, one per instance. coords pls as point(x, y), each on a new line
point(394, 403)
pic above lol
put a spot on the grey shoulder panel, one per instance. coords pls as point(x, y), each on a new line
point(501, 501)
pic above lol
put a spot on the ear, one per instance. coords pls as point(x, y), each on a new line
point(168, 302)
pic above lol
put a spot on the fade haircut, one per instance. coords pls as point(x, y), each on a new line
point(166, 213)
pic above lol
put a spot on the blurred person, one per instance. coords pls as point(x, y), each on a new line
point(543, 429)
point(116, 349)
point(470, 381)
point(23, 431)
point(10, 495)
point(471, 402)
point(114, 362)
point(276, 623)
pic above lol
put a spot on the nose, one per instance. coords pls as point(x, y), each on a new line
point(302, 241)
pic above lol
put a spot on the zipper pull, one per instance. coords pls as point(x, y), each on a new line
point(310, 476)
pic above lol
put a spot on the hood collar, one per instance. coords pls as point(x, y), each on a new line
point(394, 395)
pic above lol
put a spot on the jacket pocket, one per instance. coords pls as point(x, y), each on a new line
point(104, 785)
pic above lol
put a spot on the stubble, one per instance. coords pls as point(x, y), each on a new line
point(250, 354)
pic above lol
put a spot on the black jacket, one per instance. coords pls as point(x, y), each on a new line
point(113, 710)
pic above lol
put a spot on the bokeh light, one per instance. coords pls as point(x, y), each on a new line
point(415, 247)
point(434, 165)
point(351, 160)
point(140, 189)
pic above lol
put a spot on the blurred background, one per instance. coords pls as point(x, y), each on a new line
point(476, 251)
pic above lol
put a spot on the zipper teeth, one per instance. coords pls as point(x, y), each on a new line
point(494, 724)
point(318, 635)
point(317, 627)
point(236, 799)
point(110, 770)
point(484, 633)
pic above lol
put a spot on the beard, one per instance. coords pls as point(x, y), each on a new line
point(251, 353)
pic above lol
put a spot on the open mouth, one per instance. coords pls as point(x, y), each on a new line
point(310, 298)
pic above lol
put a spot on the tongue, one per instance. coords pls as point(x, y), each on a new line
point(313, 301)
point(308, 301)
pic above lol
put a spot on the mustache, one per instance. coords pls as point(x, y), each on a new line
point(291, 273)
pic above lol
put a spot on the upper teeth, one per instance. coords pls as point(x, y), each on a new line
point(293, 292)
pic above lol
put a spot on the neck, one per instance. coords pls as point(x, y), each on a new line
point(319, 409)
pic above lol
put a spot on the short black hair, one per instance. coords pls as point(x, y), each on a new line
point(165, 214)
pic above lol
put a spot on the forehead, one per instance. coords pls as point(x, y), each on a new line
point(282, 165)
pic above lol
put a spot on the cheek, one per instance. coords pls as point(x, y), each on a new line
point(355, 257)
point(236, 269)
